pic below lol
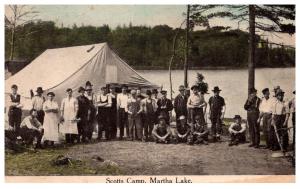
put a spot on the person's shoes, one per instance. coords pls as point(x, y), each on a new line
point(205, 142)
point(230, 144)
point(256, 146)
point(251, 145)
point(120, 138)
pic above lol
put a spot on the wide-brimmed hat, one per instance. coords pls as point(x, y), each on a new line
point(81, 89)
point(279, 92)
point(14, 86)
point(154, 91)
point(181, 88)
point(276, 88)
point(265, 90)
point(161, 117)
point(216, 88)
point(51, 93)
point(69, 90)
point(237, 117)
point(104, 87)
point(39, 90)
point(252, 90)
point(163, 92)
point(148, 92)
point(294, 92)
point(195, 87)
point(124, 87)
point(88, 83)
point(133, 91)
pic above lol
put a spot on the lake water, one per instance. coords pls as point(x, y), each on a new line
point(234, 83)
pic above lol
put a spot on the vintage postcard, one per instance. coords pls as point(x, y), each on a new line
point(181, 93)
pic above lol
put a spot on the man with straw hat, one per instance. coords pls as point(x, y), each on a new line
point(37, 104)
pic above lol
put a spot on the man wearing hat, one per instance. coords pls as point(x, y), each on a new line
point(149, 107)
point(37, 104)
point(252, 108)
point(180, 103)
point(237, 131)
point(15, 109)
point(216, 112)
point(292, 107)
point(122, 99)
point(182, 130)
point(82, 114)
point(195, 105)
point(280, 117)
point(265, 109)
point(103, 102)
point(164, 106)
point(161, 132)
point(134, 111)
point(199, 132)
point(92, 109)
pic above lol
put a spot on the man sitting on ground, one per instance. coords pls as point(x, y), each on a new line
point(237, 131)
point(183, 130)
point(161, 132)
point(31, 129)
point(199, 134)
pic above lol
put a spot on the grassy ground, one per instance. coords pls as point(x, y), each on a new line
point(137, 158)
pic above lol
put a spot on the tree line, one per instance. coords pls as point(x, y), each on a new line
point(145, 47)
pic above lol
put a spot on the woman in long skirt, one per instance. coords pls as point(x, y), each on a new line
point(50, 125)
point(69, 108)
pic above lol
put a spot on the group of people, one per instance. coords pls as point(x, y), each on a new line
point(147, 117)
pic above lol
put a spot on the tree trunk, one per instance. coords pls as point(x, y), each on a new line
point(186, 47)
point(12, 45)
point(251, 60)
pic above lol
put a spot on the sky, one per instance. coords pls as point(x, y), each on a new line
point(114, 15)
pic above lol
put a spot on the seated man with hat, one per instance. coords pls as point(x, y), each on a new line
point(199, 133)
point(37, 104)
point(161, 132)
point(237, 131)
point(183, 130)
point(31, 129)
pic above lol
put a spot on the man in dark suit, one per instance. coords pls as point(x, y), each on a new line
point(180, 104)
point(164, 106)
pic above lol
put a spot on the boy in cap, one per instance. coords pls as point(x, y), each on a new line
point(280, 117)
point(216, 112)
point(199, 133)
point(237, 131)
point(183, 130)
point(180, 103)
point(161, 132)
point(252, 108)
point(149, 108)
point(82, 114)
point(37, 104)
point(265, 109)
point(164, 106)
point(14, 110)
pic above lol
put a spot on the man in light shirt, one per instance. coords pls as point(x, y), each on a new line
point(37, 104)
point(31, 128)
point(280, 117)
point(237, 131)
point(265, 109)
point(122, 99)
point(195, 105)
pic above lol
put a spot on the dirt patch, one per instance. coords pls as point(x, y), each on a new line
point(137, 158)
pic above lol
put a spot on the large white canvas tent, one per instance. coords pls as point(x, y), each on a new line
point(58, 69)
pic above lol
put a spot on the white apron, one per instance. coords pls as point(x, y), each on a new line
point(69, 107)
point(50, 122)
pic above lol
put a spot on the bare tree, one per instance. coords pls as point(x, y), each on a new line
point(17, 16)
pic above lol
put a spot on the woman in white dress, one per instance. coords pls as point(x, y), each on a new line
point(69, 108)
point(50, 125)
